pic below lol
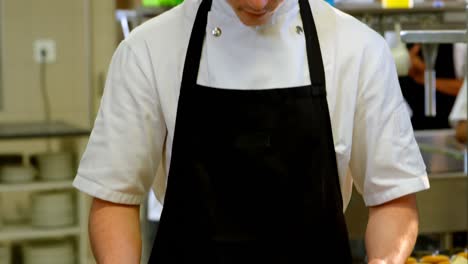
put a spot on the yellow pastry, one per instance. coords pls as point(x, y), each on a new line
point(411, 260)
point(460, 260)
point(435, 258)
point(444, 262)
point(463, 254)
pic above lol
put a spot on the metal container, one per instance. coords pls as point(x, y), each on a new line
point(440, 150)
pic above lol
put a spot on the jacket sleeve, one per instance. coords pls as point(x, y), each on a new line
point(126, 144)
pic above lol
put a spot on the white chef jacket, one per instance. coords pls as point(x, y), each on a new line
point(134, 130)
point(459, 108)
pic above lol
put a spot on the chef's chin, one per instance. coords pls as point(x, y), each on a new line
point(253, 20)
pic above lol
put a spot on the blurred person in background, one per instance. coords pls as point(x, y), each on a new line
point(449, 73)
point(458, 116)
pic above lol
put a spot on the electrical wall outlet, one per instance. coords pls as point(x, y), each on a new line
point(45, 51)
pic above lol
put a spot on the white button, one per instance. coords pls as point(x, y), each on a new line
point(216, 32)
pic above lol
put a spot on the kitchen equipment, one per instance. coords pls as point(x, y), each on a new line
point(55, 166)
point(5, 254)
point(399, 51)
point(49, 252)
point(52, 209)
point(16, 174)
point(440, 150)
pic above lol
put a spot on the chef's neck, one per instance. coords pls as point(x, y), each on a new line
point(254, 13)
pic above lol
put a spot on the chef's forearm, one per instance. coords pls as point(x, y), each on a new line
point(392, 231)
point(449, 86)
point(114, 231)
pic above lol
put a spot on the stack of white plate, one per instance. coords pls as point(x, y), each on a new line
point(1, 216)
point(52, 209)
point(49, 252)
point(55, 166)
point(17, 174)
point(5, 254)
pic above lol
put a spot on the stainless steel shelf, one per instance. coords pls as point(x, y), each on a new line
point(376, 8)
point(40, 130)
point(25, 232)
point(434, 36)
point(356, 8)
point(36, 186)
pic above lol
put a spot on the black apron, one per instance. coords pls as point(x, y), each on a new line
point(253, 175)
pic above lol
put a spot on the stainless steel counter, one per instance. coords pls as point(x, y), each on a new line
point(434, 36)
point(442, 208)
point(441, 152)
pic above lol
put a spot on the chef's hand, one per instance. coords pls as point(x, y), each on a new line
point(461, 131)
point(418, 67)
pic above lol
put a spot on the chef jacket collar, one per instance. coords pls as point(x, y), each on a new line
point(223, 8)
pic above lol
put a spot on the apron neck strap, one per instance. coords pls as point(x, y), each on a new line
point(314, 54)
point(195, 46)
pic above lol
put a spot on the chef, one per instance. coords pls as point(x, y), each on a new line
point(264, 114)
